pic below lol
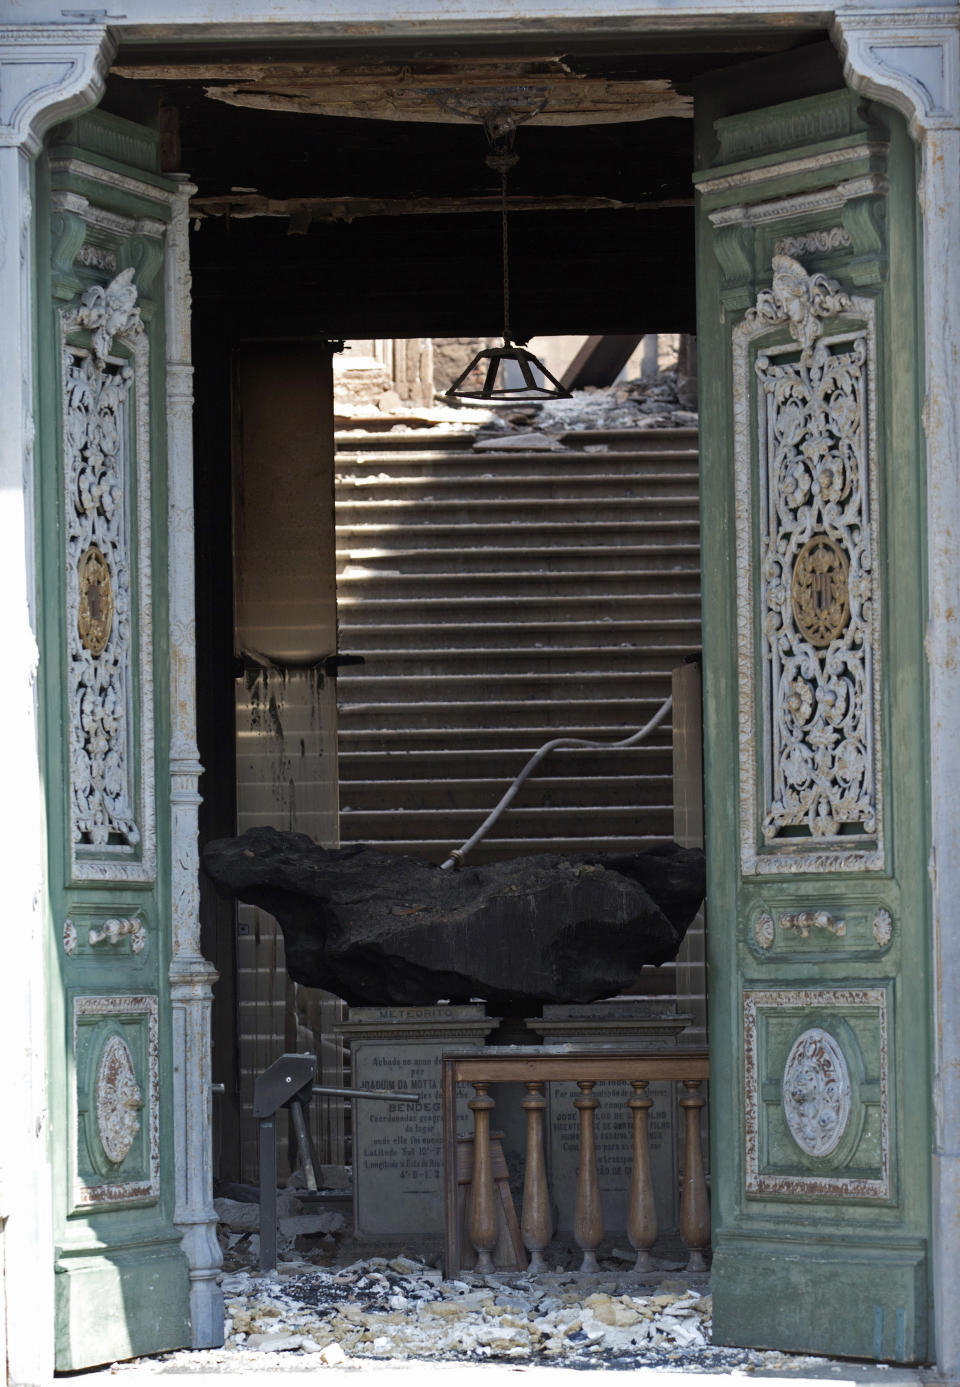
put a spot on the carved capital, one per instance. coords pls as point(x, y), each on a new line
point(47, 73)
point(908, 60)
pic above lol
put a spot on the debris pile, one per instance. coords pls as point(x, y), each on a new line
point(659, 403)
point(402, 1308)
point(310, 1226)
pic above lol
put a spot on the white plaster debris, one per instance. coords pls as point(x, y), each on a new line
point(403, 1309)
point(633, 404)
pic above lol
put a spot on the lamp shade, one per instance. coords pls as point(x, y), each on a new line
point(497, 387)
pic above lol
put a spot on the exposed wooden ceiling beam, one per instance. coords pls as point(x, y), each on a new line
point(304, 210)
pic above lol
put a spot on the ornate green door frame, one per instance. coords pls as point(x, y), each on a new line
point(152, 1155)
point(49, 71)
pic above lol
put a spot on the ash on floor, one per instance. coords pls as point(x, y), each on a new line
point(379, 1309)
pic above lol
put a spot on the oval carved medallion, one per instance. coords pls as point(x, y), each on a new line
point(95, 610)
point(820, 590)
point(816, 1092)
point(118, 1100)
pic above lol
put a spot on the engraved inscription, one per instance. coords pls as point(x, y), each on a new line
point(398, 1154)
point(816, 1092)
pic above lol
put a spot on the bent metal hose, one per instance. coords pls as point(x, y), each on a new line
point(456, 858)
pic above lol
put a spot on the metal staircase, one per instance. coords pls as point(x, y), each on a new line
point(501, 599)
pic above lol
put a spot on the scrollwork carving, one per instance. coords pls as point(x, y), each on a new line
point(814, 242)
point(118, 1100)
point(113, 930)
point(96, 257)
point(819, 595)
point(802, 921)
point(816, 1092)
point(100, 448)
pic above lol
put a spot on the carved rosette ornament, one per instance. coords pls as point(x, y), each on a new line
point(118, 1100)
point(816, 1093)
point(882, 928)
point(764, 931)
point(99, 474)
point(818, 594)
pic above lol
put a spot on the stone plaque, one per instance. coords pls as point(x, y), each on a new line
point(397, 1148)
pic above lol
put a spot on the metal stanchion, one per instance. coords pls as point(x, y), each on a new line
point(288, 1083)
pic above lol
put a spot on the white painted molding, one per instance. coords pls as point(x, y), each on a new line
point(191, 977)
point(45, 75)
point(911, 60)
point(48, 73)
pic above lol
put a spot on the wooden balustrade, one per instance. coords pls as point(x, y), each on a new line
point(536, 1066)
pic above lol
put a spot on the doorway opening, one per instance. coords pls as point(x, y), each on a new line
point(321, 216)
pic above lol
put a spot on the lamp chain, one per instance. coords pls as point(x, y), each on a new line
point(503, 160)
point(507, 335)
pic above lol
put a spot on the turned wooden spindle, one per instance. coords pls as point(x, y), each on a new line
point(535, 1225)
point(588, 1219)
point(694, 1205)
point(642, 1213)
point(482, 1224)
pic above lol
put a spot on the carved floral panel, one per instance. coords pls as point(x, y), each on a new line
point(107, 534)
point(117, 1065)
point(808, 589)
point(817, 1092)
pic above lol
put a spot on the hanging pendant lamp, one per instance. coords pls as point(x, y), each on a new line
point(491, 362)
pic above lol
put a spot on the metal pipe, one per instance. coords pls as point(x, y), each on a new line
point(457, 856)
point(367, 1093)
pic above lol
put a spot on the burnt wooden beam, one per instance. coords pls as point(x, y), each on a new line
point(304, 210)
point(600, 360)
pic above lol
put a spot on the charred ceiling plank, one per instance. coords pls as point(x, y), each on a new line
point(566, 100)
point(304, 210)
point(421, 90)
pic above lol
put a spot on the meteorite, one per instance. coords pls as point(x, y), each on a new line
point(378, 929)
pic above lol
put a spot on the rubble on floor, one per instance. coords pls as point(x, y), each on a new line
point(398, 1309)
point(661, 402)
point(403, 1308)
point(636, 404)
point(632, 404)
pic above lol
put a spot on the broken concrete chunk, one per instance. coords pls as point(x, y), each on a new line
point(302, 1224)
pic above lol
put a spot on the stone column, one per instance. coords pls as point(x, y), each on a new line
point(46, 75)
point(191, 977)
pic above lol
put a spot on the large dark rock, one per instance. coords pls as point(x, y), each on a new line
point(377, 929)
